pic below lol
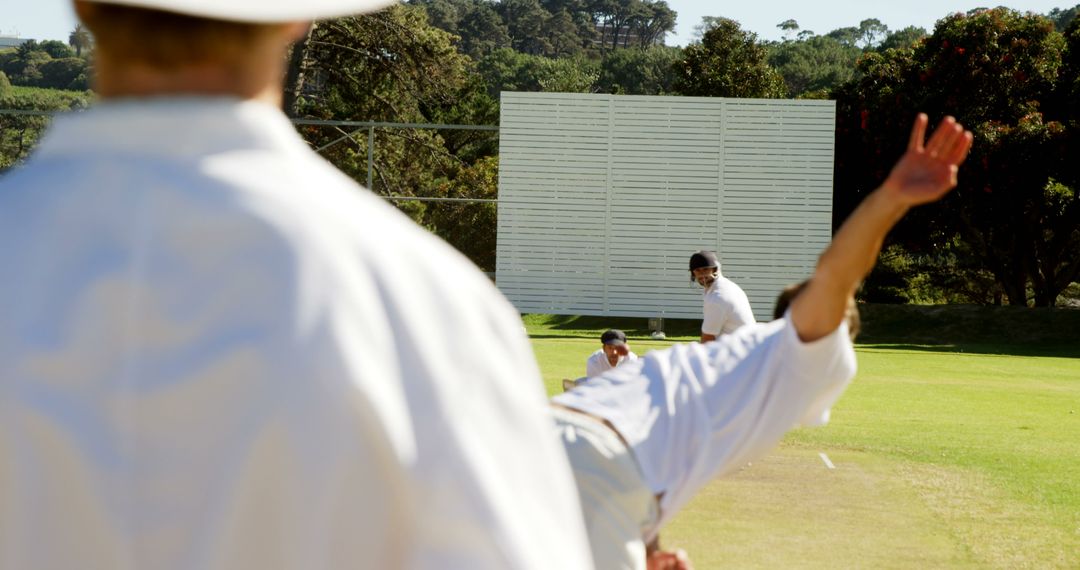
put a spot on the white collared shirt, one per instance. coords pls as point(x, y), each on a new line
point(217, 351)
point(598, 363)
point(725, 308)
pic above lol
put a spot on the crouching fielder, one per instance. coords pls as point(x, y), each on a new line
point(645, 437)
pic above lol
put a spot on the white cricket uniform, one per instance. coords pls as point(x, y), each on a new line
point(597, 363)
point(217, 351)
point(726, 308)
point(694, 412)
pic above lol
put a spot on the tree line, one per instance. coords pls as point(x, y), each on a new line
point(1011, 230)
point(1010, 233)
point(51, 64)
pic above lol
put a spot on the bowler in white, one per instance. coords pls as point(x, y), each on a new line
point(644, 438)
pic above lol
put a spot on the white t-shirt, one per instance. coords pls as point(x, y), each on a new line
point(598, 363)
point(726, 308)
point(694, 412)
point(217, 351)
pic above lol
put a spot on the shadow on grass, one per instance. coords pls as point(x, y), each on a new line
point(572, 336)
point(568, 326)
point(1008, 330)
point(1058, 351)
point(1014, 331)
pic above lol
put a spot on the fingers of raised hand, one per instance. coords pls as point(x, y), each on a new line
point(918, 132)
point(949, 142)
point(960, 148)
point(943, 136)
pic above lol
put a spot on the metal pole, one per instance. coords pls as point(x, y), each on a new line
point(370, 154)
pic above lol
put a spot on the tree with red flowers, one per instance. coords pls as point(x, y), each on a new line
point(1015, 213)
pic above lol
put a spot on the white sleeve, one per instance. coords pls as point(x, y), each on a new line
point(822, 370)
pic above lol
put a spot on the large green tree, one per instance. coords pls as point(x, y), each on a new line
point(470, 226)
point(1015, 210)
point(813, 65)
point(903, 38)
point(614, 18)
point(482, 31)
point(729, 62)
point(20, 133)
point(50, 64)
point(654, 20)
point(56, 49)
point(872, 31)
point(647, 71)
point(526, 20)
point(560, 35)
point(392, 66)
point(509, 70)
point(370, 68)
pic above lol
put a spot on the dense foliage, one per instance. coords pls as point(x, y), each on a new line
point(1015, 217)
point(552, 28)
point(728, 62)
point(19, 132)
point(50, 64)
point(393, 67)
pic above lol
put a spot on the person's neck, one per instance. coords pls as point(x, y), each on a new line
point(125, 80)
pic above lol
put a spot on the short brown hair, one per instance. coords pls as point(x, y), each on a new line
point(783, 301)
point(167, 40)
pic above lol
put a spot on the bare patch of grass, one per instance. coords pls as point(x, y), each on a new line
point(789, 511)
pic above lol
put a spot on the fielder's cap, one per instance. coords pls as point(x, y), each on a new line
point(613, 337)
point(257, 11)
point(703, 258)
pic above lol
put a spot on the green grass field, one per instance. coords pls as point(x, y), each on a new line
point(958, 455)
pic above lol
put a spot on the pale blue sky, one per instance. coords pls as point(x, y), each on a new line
point(54, 19)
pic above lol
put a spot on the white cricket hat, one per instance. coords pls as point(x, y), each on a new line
point(258, 11)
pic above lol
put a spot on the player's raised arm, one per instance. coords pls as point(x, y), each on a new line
point(925, 173)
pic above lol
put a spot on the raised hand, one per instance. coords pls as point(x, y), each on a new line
point(927, 171)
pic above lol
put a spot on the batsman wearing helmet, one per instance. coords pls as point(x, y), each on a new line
point(726, 307)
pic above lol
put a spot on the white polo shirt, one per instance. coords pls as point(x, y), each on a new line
point(217, 351)
point(598, 363)
point(694, 412)
point(726, 308)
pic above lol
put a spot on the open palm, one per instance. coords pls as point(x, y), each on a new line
point(927, 171)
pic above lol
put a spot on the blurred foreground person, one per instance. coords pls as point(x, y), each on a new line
point(644, 438)
point(220, 352)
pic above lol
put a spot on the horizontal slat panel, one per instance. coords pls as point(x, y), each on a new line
point(606, 194)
